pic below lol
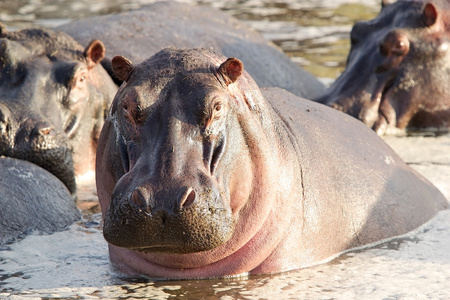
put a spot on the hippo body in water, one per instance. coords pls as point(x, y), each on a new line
point(398, 69)
point(32, 200)
point(201, 174)
point(140, 33)
point(53, 97)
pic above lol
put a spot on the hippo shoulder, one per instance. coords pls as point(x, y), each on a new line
point(32, 200)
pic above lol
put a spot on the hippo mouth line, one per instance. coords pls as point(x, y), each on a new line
point(380, 97)
point(71, 126)
point(173, 249)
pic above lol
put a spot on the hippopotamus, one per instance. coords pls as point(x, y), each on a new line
point(32, 200)
point(138, 34)
point(54, 95)
point(200, 174)
point(397, 70)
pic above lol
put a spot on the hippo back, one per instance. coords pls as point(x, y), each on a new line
point(32, 200)
point(141, 33)
point(357, 190)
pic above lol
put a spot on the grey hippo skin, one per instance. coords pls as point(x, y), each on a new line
point(32, 200)
point(140, 33)
point(398, 69)
point(202, 174)
point(53, 97)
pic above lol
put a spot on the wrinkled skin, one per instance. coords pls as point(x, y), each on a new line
point(53, 98)
point(140, 33)
point(398, 69)
point(200, 174)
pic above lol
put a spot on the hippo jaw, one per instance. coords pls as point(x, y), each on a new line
point(392, 68)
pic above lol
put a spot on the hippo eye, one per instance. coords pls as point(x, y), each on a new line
point(217, 110)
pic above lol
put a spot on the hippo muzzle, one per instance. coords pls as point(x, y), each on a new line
point(157, 208)
point(38, 142)
point(178, 218)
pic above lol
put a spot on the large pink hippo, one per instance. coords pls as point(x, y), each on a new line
point(201, 174)
point(398, 69)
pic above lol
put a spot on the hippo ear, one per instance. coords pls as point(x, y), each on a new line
point(122, 67)
point(94, 53)
point(430, 14)
point(231, 69)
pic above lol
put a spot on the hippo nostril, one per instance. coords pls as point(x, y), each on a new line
point(45, 130)
point(139, 200)
point(395, 43)
point(187, 198)
point(42, 129)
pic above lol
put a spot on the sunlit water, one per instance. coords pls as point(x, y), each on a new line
point(74, 264)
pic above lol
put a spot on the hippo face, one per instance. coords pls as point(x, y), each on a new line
point(171, 126)
point(51, 100)
point(398, 69)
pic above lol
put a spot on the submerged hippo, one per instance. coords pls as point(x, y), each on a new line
point(140, 33)
point(53, 98)
point(200, 174)
point(32, 200)
point(398, 69)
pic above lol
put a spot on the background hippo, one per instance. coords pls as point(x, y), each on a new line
point(140, 33)
point(199, 174)
point(398, 69)
point(53, 98)
point(32, 200)
point(53, 95)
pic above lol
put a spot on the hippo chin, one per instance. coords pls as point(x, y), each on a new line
point(398, 69)
point(53, 98)
point(202, 174)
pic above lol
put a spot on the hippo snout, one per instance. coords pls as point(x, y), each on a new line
point(173, 219)
point(38, 142)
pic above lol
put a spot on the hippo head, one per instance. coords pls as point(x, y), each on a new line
point(52, 100)
point(171, 152)
point(398, 69)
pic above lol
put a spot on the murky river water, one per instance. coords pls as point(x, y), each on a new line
point(74, 264)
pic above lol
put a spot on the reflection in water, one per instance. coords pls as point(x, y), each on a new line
point(74, 264)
